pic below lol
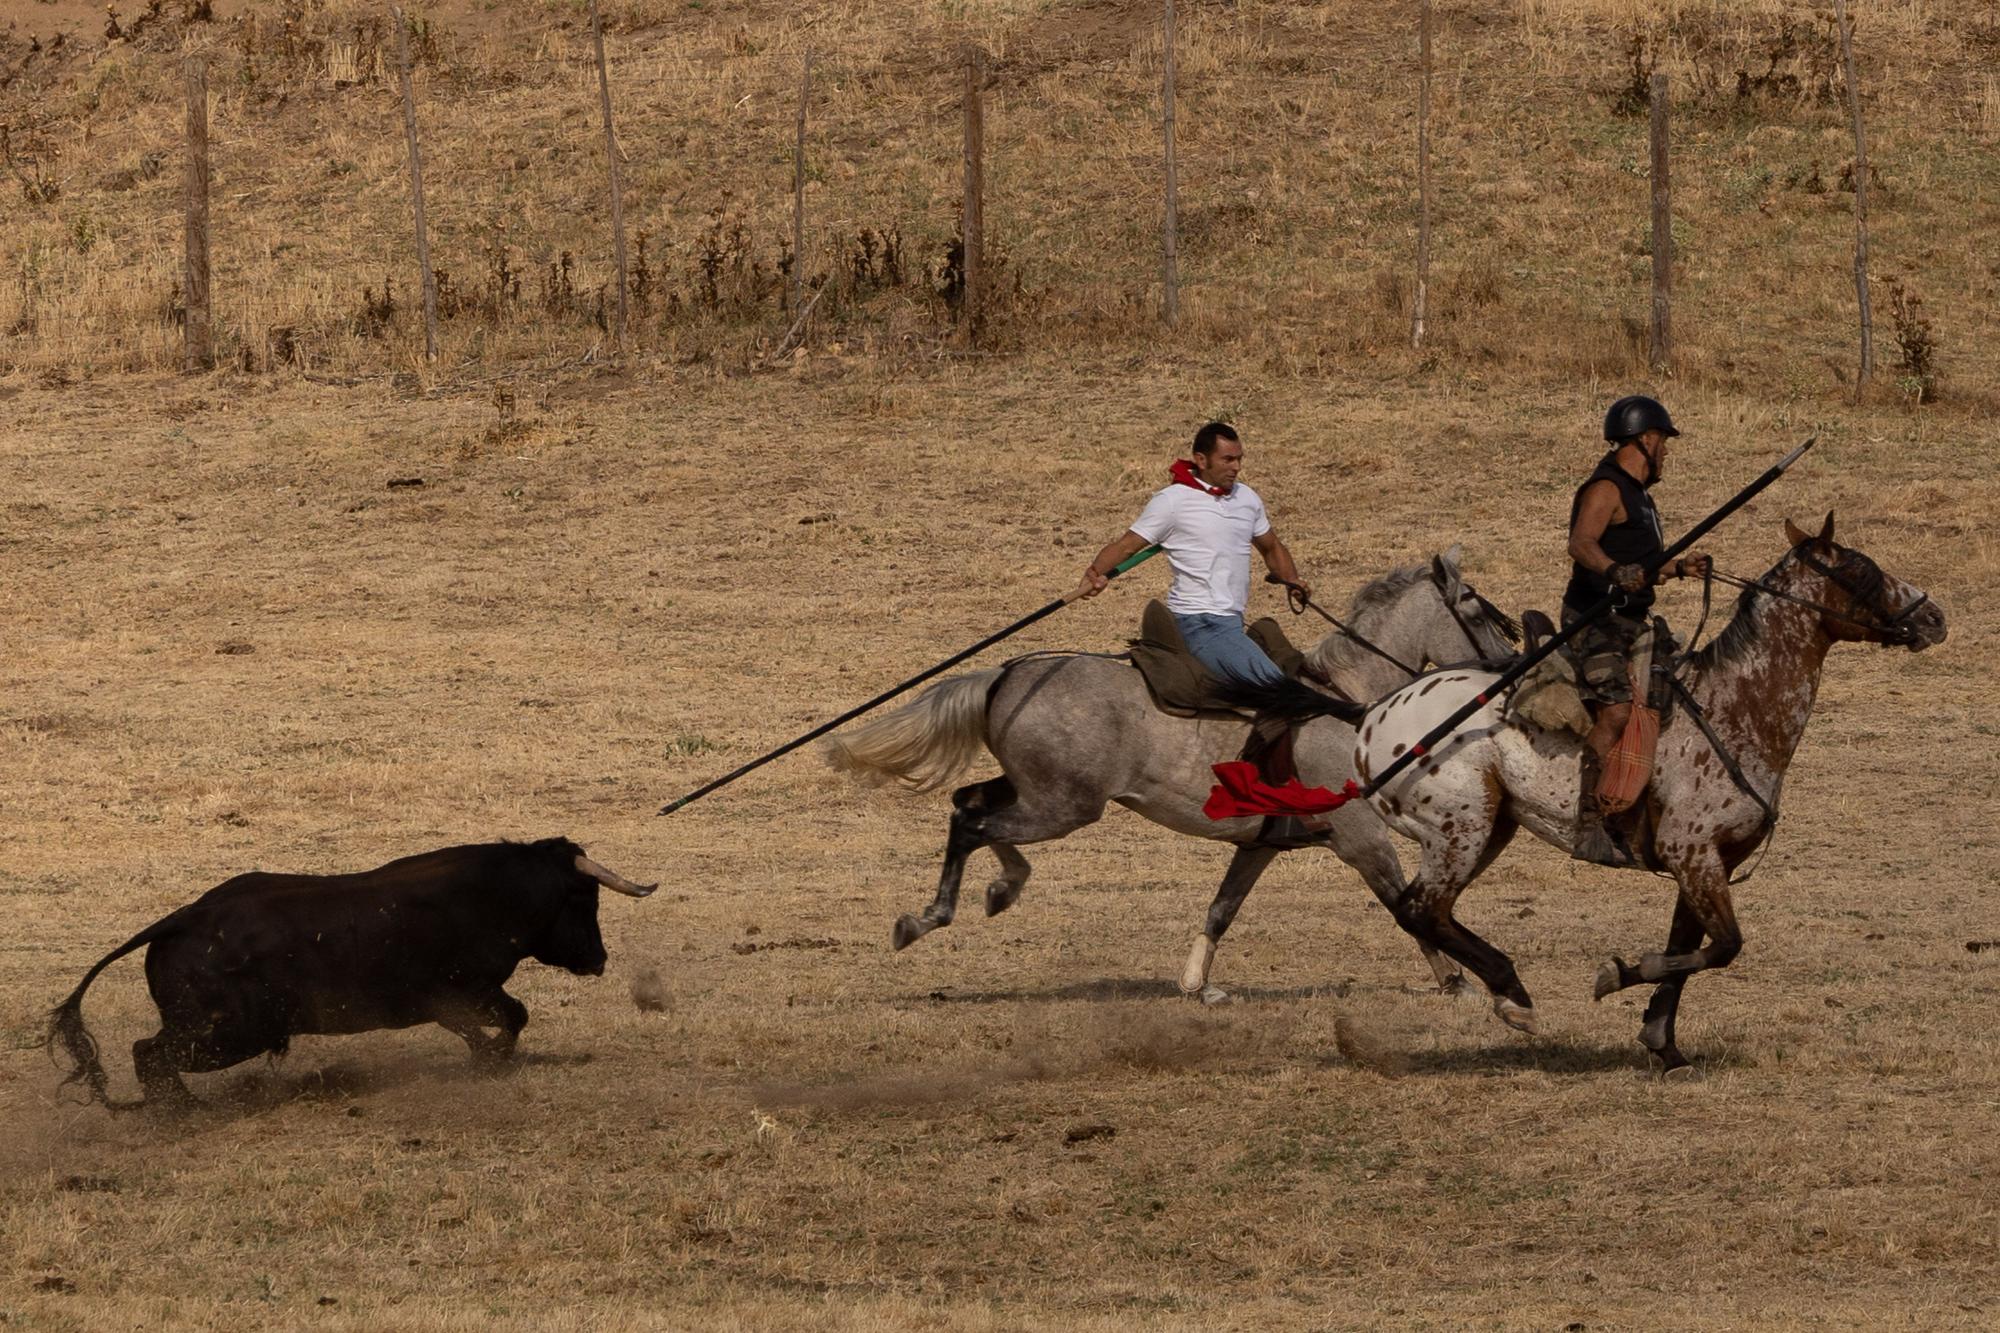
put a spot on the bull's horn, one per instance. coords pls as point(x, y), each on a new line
point(615, 882)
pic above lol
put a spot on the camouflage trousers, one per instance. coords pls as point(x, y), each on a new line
point(1603, 654)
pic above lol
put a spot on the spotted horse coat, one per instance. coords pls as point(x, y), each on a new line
point(1757, 683)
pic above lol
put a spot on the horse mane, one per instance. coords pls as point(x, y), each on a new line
point(1743, 629)
point(1737, 638)
point(1336, 651)
point(1385, 590)
point(1740, 635)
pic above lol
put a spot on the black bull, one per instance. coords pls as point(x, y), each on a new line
point(430, 938)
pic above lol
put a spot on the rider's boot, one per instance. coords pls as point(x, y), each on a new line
point(1595, 841)
point(1270, 748)
point(1288, 832)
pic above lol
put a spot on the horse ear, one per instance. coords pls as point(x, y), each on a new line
point(1454, 556)
point(1441, 573)
point(1826, 530)
point(1794, 534)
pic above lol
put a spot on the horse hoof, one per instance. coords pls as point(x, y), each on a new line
point(1001, 895)
point(909, 930)
point(1194, 976)
point(1673, 1063)
point(1520, 1017)
point(1610, 979)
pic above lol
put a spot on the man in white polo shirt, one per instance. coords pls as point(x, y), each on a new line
point(1208, 522)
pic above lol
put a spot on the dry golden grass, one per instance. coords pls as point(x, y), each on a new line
point(618, 581)
point(574, 620)
point(1298, 212)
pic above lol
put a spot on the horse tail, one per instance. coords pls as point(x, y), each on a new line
point(924, 744)
point(66, 1027)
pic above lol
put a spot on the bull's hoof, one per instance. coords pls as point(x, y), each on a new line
point(493, 1063)
point(165, 1107)
point(1002, 894)
point(1520, 1017)
point(1610, 979)
point(909, 929)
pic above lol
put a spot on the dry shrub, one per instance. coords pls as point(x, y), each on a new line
point(376, 314)
point(1918, 375)
point(1729, 61)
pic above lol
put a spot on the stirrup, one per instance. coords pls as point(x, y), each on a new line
point(1600, 845)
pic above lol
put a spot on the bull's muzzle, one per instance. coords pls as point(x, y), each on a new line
point(612, 880)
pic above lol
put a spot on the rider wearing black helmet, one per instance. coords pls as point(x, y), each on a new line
point(1614, 534)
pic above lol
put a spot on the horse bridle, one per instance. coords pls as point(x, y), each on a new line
point(1505, 623)
point(1892, 627)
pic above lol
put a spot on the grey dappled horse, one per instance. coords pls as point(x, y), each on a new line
point(1073, 732)
point(1756, 684)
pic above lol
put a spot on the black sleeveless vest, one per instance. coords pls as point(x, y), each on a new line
point(1632, 542)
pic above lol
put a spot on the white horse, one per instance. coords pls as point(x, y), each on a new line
point(1074, 733)
point(1755, 684)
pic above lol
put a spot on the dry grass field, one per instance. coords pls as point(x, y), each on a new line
point(231, 643)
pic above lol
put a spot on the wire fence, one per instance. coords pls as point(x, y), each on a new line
point(779, 273)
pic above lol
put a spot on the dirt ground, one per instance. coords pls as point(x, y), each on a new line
point(232, 642)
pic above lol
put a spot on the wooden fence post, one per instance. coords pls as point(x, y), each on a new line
point(416, 184)
point(1170, 245)
point(617, 181)
point(198, 351)
point(799, 187)
point(1663, 232)
point(972, 222)
point(1860, 196)
point(1420, 303)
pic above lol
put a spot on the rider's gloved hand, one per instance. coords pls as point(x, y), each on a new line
point(1627, 578)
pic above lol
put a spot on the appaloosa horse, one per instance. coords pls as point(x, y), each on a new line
point(1073, 732)
point(1755, 684)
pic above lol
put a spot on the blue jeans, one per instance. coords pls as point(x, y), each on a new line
point(1219, 643)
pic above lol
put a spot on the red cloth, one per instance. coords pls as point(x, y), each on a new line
point(1239, 791)
point(1183, 474)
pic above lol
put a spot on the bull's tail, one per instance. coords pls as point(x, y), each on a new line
point(66, 1027)
point(926, 743)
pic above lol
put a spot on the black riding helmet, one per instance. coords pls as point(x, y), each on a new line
point(1634, 415)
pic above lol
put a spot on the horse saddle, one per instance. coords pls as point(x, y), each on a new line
point(1182, 686)
point(1550, 695)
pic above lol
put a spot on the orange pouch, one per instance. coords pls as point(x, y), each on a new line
point(1629, 766)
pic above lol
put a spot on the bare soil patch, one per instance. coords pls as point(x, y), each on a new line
point(1016, 1122)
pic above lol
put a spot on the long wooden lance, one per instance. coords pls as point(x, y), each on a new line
point(1523, 665)
point(1058, 604)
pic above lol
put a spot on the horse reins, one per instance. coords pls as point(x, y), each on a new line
point(1297, 600)
point(1892, 627)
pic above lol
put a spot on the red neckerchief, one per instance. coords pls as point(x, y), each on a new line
point(1183, 474)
